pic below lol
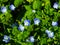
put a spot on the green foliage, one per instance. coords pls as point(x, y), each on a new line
point(5, 18)
point(24, 10)
point(18, 2)
point(3, 1)
point(27, 7)
point(36, 4)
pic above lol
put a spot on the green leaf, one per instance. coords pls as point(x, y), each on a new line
point(29, 1)
point(43, 41)
point(15, 31)
point(28, 14)
point(51, 11)
point(36, 4)
point(49, 40)
point(55, 42)
point(55, 28)
point(25, 34)
point(27, 7)
point(18, 2)
point(29, 43)
point(5, 18)
point(1, 1)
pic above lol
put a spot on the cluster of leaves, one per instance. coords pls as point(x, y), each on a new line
point(44, 11)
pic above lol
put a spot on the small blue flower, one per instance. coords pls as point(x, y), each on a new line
point(27, 22)
point(47, 31)
point(55, 5)
point(3, 9)
point(32, 39)
point(51, 35)
point(54, 23)
point(12, 7)
point(21, 27)
point(6, 39)
point(36, 21)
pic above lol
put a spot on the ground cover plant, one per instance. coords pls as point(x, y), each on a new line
point(29, 22)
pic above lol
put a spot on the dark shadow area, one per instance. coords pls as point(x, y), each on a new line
point(52, 2)
point(1, 40)
point(9, 2)
point(1, 28)
point(59, 21)
point(19, 12)
point(25, 2)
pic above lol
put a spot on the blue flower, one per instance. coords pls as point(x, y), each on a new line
point(6, 39)
point(27, 22)
point(47, 31)
point(54, 23)
point(3, 9)
point(32, 39)
point(36, 21)
point(12, 7)
point(51, 35)
point(21, 27)
point(55, 5)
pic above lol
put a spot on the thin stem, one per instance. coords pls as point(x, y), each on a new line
point(16, 40)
